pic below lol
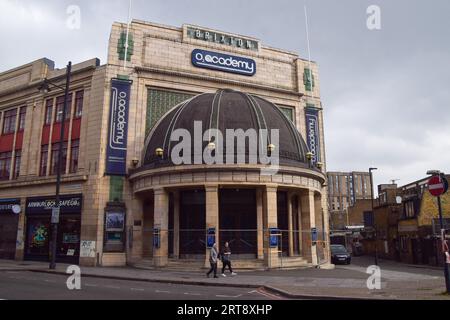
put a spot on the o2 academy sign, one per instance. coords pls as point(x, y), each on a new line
point(223, 62)
point(222, 38)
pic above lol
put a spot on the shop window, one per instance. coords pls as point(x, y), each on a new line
point(22, 115)
point(78, 104)
point(38, 236)
point(161, 101)
point(5, 165)
point(114, 228)
point(17, 159)
point(54, 158)
point(74, 150)
point(60, 107)
point(9, 121)
point(48, 111)
point(43, 162)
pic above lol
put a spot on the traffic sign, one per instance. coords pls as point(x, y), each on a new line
point(437, 185)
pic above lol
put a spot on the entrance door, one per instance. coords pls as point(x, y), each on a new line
point(8, 235)
point(237, 221)
point(192, 224)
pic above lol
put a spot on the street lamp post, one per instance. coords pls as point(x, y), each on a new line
point(373, 214)
point(56, 209)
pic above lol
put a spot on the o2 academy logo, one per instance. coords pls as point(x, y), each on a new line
point(223, 62)
point(118, 120)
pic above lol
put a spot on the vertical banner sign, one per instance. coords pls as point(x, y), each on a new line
point(116, 152)
point(312, 133)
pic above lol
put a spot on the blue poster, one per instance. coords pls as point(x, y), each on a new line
point(116, 151)
point(312, 133)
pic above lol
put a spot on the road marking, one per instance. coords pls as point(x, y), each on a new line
point(226, 296)
point(90, 285)
point(162, 291)
point(192, 294)
point(137, 289)
point(269, 295)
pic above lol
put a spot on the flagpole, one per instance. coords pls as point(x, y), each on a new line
point(126, 38)
point(309, 48)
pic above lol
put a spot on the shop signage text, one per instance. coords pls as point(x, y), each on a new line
point(6, 205)
point(312, 133)
point(67, 204)
point(116, 151)
point(221, 38)
point(223, 62)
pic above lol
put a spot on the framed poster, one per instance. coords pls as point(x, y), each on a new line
point(115, 221)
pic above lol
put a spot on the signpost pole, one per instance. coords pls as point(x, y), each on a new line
point(446, 271)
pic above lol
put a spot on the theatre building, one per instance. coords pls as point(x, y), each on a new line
point(147, 178)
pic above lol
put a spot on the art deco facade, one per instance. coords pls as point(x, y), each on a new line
point(125, 201)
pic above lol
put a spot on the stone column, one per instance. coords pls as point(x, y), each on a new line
point(176, 224)
point(301, 230)
point(161, 221)
point(308, 222)
point(319, 225)
point(271, 221)
point(290, 225)
point(212, 214)
point(259, 223)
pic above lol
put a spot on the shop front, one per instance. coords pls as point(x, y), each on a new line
point(9, 218)
point(38, 228)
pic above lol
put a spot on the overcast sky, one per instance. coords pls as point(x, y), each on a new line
point(386, 93)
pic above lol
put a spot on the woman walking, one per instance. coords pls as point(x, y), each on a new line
point(226, 261)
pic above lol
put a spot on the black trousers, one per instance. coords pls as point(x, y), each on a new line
point(225, 264)
point(213, 268)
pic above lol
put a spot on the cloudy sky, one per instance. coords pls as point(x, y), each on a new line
point(386, 93)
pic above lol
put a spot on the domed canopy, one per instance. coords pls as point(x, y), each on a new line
point(226, 109)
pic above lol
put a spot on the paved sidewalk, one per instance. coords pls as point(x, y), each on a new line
point(343, 282)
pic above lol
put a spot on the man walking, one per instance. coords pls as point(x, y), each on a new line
point(213, 255)
point(226, 261)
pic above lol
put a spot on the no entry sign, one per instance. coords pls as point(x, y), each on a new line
point(437, 185)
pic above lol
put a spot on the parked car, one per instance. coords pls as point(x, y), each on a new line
point(339, 254)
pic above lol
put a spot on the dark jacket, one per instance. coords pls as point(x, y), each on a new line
point(226, 254)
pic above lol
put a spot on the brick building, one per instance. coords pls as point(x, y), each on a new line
point(124, 200)
point(349, 195)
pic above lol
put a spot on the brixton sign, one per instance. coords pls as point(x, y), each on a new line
point(221, 38)
point(223, 62)
point(437, 185)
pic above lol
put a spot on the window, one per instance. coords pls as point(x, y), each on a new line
point(55, 154)
point(161, 101)
point(308, 79)
point(288, 112)
point(48, 111)
point(22, 115)
point(17, 158)
point(5, 165)
point(43, 163)
point(9, 121)
point(60, 107)
point(409, 209)
point(74, 156)
point(78, 104)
